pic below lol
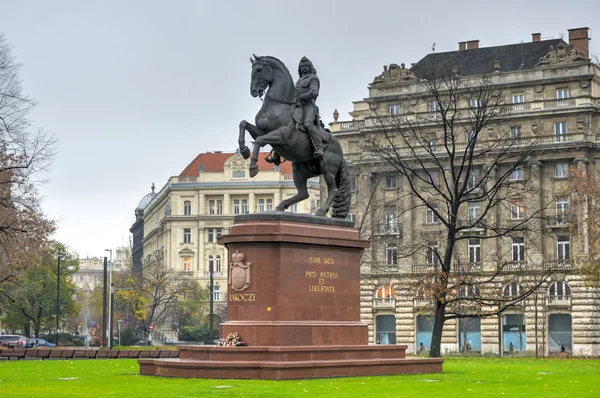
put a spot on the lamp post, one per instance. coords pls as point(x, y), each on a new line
point(57, 295)
point(119, 327)
point(110, 301)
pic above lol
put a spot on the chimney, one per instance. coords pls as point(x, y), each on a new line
point(496, 66)
point(471, 44)
point(462, 45)
point(579, 39)
point(536, 37)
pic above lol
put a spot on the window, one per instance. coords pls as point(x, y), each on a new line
point(563, 247)
point(244, 206)
point(559, 290)
point(351, 217)
point(294, 208)
point(187, 208)
point(218, 263)
point(391, 181)
point(391, 254)
point(187, 264)
point(468, 291)
point(560, 131)
point(562, 94)
point(518, 249)
point(517, 209)
point(238, 174)
point(474, 250)
point(518, 100)
point(473, 211)
point(561, 170)
point(187, 235)
point(353, 183)
point(474, 103)
point(474, 179)
point(434, 177)
point(215, 207)
point(511, 290)
point(431, 253)
point(515, 132)
point(431, 144)
point(385, 328)
point(391, 221)
point(562, 207)
point(211, 263)
point(211, 235)
point(261, 205)
point(236, 206)
point(269, 204)
point(517, 174)
point(216, 293)
point(394, 110)
point(471, 136)
point(433, 106)
point(430, 214)
point(385, 292)
point(219, 232)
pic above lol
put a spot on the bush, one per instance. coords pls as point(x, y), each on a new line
point(197, 333)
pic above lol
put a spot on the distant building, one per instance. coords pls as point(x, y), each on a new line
point(553, 91)
point(182, 222)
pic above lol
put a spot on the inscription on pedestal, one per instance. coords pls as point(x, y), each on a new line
point(323, 278)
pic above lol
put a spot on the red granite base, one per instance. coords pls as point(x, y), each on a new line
point(281, 363)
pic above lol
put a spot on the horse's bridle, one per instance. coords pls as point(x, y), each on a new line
point(280, 100)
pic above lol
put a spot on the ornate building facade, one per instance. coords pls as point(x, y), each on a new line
point(182, 222)
point(552, 91)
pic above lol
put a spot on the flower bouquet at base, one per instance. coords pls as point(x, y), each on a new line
point(232, 340)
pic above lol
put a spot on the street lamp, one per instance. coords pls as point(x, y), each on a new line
point(57, 295)
point(110, 301)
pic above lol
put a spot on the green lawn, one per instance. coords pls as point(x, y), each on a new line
point(472, 377)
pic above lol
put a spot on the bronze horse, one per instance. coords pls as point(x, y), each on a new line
point(276, 127)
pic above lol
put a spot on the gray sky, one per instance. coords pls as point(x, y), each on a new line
point(134, 90)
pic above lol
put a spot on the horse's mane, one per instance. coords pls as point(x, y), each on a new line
point(268, 57)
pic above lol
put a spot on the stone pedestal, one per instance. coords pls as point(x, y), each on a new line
point(294, 298)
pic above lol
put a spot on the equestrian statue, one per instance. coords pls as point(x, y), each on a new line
point(289, 121)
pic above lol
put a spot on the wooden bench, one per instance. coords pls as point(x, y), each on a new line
point(79, 354)
point(112, 354)
point(6, 353)
point(154, 353)
point(102, 354)
point(43, 353)
point(91, 353)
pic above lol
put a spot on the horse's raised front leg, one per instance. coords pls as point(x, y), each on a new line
point(272, 138)
point(301, 175)
point(254, 132)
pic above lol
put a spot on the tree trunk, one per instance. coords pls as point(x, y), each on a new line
point(438, 326)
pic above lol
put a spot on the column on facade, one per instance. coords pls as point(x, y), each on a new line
point(201, 203)
point(276, 198)
point(251, 202)
point(226, 204)
point(200, 253)
point(582, 167)
point(534, 203)
point(409, 221)
point(491, 247)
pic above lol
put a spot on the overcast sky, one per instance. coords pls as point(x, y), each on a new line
point(134, 90)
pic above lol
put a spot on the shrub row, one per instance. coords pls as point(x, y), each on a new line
point(35, 353)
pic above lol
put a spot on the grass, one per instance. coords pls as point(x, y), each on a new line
point(462, 377)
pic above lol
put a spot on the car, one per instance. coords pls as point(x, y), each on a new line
point(37, 342)
point(13, 341)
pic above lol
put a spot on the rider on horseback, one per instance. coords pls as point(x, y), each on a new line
point(306, 112)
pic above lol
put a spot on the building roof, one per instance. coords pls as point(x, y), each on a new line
point(214, 162)
point(479, 61)
point(146, 199)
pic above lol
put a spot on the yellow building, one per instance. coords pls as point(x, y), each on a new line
point(182, 222)
point(553, 92)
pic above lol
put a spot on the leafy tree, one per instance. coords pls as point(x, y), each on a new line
point(30, 301)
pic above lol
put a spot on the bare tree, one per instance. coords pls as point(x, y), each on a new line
point(475, 180)
point(24, 156)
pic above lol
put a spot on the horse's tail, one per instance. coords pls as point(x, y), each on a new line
point(340, 207)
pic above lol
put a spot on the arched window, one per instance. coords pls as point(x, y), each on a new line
point(187, 208)
point(211, 263)
point(236, 206)
point(217, 263)
point(261, 205)
point(187, 263)
point(511, 290)
point(559, 292)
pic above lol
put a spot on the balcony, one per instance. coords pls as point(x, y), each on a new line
point(516, 266)
point(558, 103)
point(385, 269)
point(421, 302)
point(389, 229)
point(423, 269)
point(557, 221)
point(384, 303)
point(353, 124)
point(215, 273)
point(468, 268)
point(563, 264)
point(559, 301)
